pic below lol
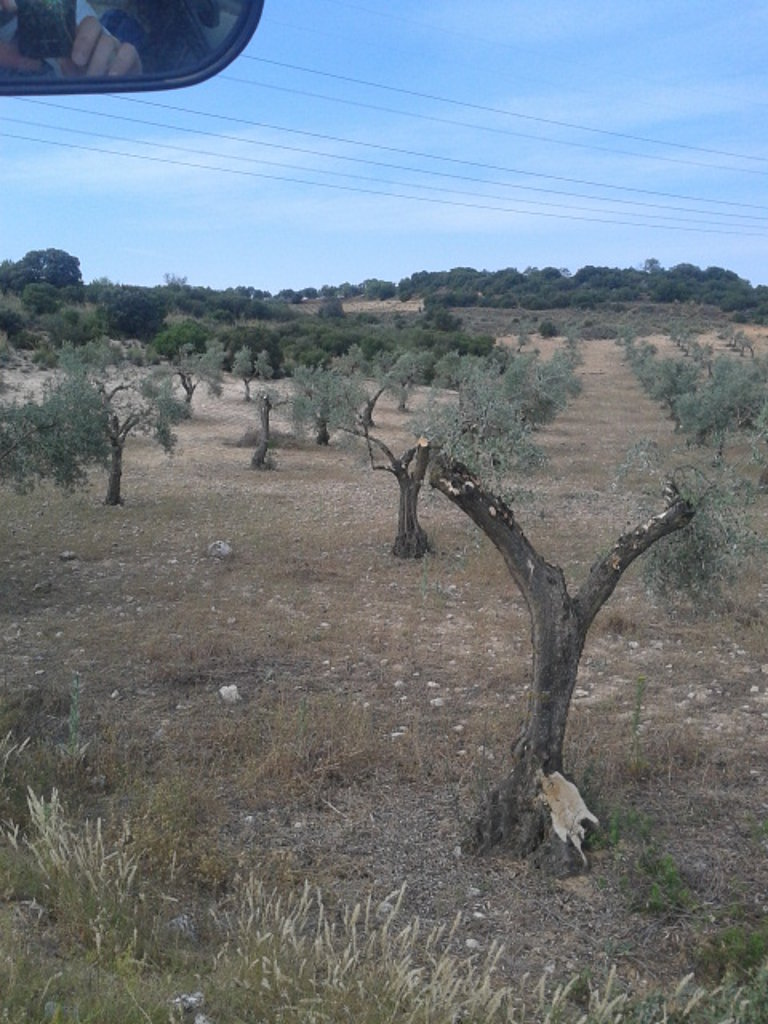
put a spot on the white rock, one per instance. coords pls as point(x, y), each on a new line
point(190, 1001)
point(230, 694)
point(219, 549)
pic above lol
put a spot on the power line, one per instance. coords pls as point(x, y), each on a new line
point(357, 160)
point(649, 218)
point(442, 159)
point(378, 192)
point(434, 97)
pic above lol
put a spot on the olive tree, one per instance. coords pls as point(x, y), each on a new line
point(193, 368)
point(324, 400)
point(405, 372)
point(132, 402)
point(730, 400)
point(58, 436)
point(249, 366)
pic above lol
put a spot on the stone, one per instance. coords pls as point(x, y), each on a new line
point(220, 549)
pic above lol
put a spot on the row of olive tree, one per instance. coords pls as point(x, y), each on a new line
point(467, 445)
point(709, 399)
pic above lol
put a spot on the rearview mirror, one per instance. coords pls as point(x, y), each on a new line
point(74, 46)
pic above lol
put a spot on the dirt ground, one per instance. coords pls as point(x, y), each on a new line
point(413, 677)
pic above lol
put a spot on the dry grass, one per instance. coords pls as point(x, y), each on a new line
point(379, 698)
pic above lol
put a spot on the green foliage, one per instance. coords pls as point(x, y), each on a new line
point(404, 373)
point(739, 950)
point(324, 400)
point(331, 309)
point(12, 321)
point(131, 402)
point(73, 326)
point(374, 288)
point(703, 559)
point(490, 426)
point(669, 380)
point(57, 438)
point(40, 298)
point(250, 367)
point(193, 366)
point(589, 287)
point(548, 329)
point(54, 267)
point(134, 312)
point(660, 888)
point(731, 399)
point(184, 335)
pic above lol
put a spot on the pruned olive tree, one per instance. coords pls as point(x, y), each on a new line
point(560, 620)
point(265, 402)
point(480, 439)
point(409, 469)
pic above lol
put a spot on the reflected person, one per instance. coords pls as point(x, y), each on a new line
point(95, 52)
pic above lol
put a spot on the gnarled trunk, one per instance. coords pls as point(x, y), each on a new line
point(514, 812)
point(410, 469)
point(411, 540)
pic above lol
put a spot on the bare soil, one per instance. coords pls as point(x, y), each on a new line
point(379, 698)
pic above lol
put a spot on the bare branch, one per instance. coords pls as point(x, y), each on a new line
point(608, 570)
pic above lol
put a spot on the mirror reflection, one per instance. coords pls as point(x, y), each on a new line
point(120, 39)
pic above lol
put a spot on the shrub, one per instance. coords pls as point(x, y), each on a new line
point(548, 329)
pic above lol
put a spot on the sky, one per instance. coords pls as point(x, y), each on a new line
point(354, 140)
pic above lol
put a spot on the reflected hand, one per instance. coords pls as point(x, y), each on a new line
point(95, 52)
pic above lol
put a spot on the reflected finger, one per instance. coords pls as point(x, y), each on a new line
point(102, 56)
point(125, 61)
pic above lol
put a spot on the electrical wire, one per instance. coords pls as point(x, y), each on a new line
point(397, 167)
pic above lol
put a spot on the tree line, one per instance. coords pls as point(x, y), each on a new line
point(534, 288)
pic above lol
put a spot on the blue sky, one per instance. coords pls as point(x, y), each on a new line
point(356, 139)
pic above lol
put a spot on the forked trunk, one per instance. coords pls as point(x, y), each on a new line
point(521, 810)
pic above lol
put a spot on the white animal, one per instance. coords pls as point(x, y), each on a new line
point(567, 808)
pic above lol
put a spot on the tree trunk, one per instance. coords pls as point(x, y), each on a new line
point(514, 812)
point(366, 414)
point(322, 434)
point(259, 457)
point(189, 384)
point(411, 540)
point(114, 496)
